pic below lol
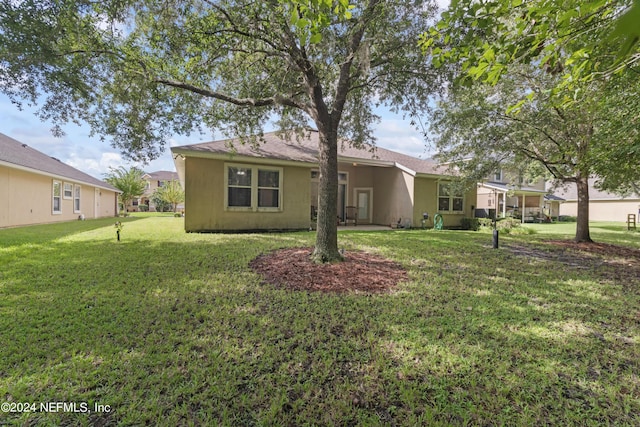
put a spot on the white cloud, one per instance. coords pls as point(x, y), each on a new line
point(96, 166)
point(398, 135)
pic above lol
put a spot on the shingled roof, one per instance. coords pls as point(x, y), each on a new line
point(305, 150)
point(162, 175)
point(570, 193)
point(21, 156)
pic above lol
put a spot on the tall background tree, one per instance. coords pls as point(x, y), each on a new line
point(129, 182)
point(558, 84)
point(171, 193)
point(141, 70)
point(541, 139)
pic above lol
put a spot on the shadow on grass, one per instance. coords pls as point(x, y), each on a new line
point(180, 331)
point(43, 233)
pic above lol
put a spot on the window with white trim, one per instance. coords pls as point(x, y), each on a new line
point(268, 188)
point(76, 198)
point(253, 188)
point(57, 197)
point(67, 192)
point(448, 200)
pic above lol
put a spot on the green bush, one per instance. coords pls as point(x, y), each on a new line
point(506, 225)
point(485, 222)
point(470, 224)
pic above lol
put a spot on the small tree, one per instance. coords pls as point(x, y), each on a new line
point(159, 202)
point(128, 181)
point(172, 194)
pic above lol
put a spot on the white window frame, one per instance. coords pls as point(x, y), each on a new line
point(497, 176)
point(255, 170)
point(451, 198)
point(67, 186)
point(54, 197)
point(77, 194)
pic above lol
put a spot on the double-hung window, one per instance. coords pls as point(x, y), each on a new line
point(76, 198)
point(448, 199)
point(268, 188)
point(57, 197)
point(253, 188)
point(67, 190)
point(239, 187)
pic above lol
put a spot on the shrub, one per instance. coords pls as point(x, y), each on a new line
point(485, 222)
point(508, 224)
point(505, 225)
point(470, 224)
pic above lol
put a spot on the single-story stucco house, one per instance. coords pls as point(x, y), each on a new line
point(603, 206)
point(274, 186)
point(36, 188)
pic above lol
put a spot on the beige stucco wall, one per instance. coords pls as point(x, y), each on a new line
point(604, 210)
point(426, 196)
point(393, 194)
point(28, 199)
point(392, 191)
point(205, 200)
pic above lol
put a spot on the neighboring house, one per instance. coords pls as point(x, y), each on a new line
point(274, 186)
point(154, 181)
point(524, 200)
point(36, 188)
point(603, 206)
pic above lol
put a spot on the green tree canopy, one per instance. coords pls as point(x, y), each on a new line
point(140, 70)
point(128, 181)
point(544, 81)
point(541, 138)
point(576, 39)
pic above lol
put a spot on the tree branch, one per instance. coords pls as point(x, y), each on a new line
point(242, 102)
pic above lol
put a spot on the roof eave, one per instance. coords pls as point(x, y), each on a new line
point(56, 176)
point(230, 157)
point(514, 190)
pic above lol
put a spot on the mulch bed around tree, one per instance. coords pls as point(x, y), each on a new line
point(360, 272)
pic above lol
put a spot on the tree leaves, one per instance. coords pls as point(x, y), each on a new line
point(628, 29)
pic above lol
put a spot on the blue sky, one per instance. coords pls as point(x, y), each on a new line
point(94, 157)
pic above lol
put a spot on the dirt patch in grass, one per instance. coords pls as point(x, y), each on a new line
point(605, 249)
point(360, 272)
point(624, 261)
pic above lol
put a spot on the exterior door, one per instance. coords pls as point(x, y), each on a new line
point(364, 204)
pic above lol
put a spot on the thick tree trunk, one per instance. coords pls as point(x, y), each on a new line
point(326, 249)
point(582, 226)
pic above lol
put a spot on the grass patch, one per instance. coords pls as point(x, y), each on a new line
point(174, 329)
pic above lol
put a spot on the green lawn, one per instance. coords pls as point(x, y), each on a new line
point(169, 328)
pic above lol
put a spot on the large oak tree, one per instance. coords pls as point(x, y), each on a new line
point(557, 82)
point(139, 71)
